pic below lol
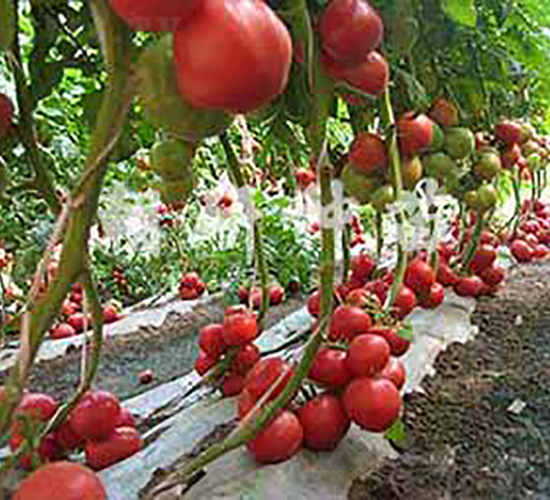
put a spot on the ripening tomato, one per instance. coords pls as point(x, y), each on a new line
point(324, 422)
point(368, 154)
point(371, 76)
point(278, 441)
point(6, 115)
point(240, 329)
point(508, 131)
point(95, 415)
point(232, 55)
point(395, 372)
point(211, 340)
point(434, 298)
point(350, 30)
point(445, 275)
point(444, 113)
point(398, 345)
point(122, 443)
point(330, 367)
point(61, 481)
point(484, 258)
point(368, 355)
point(470, 286)
point(521, 251)
point(265, 375)
point(415, 133)
point(155, 15)
point(419, 276)
point(493, 275)
point(347, 322)
point(373, 404)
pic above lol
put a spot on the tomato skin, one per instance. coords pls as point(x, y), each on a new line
point(521, 251)
point(470, 286)
point(38, 406)
point(368, 355)
point(324, 422)
point(155, 15)
point(232, 55)
point(66, 438)
point(233, 385)
point(444, 113)
point(540, 251)
point(48, 449)
point(419, 276)
point(6, 115)
point(240, 329)
point(95, 415)
point(398, 345)
point(349, 30)
point(445, 275)
point(62, 331)
point(61, 481)
point(371, 76)
point(313, 303)
point(373, 404)
point(362, 266)
point(404, 303)
point(508, 132)
point(415, 133)
point(347, 322)
point(276, 295)
point(493, 275)
point(484, 258)
point(211, 340)
point(121, 444)
point(245, 359)
point(330, 367)
point(245, 403)
point(204, 363)
point(368, 153)
point(434, 298)
point(395, 372)
point(265, 373)
point(279, 441)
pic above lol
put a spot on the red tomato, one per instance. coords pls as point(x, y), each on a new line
point(305, 177)
point(493, 275)
point(237, 309)
point(540, 251)
point(419, 276)
point(279, 441)
point(61, 481)
point(362, 266)
point(240, 329)
point(146, 377)
point(470, 286)
point(324, 422)
point(38, 406)
point(245, 403)
point(330, 367)
point(350, 30)
point(66, 437)
point(110, 314)
point(78, 321)
point(378, 288)
point(508, 132)
point(121, 444)
point(62, 331)
point(125, 419)
point(232, 55)
point(444, 113)
point(6, 115)
point(521, 251)
point(404, 303)
point(445, 275)
point(361, 298)
point(48, 449)
point(368, 355)
point(434, 298)
point(95, 416)
point(395, 373)
point(190, 280)
point(155, 15)
point(415, 133)
point(484, 257)
point(265, 374)
point(313, 303)
point(276, 294)
point(69, 308)
point(233, 384)
point(398, 345)
point(347, 322)
point(245, 359)
point(368, 154)
point(371, 76)
point(373, 404)
point(211, 340)
point(204, 363)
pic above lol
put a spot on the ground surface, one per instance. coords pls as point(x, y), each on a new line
point(466, 444)
point(169, 351)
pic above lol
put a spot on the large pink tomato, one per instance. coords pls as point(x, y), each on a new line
point(233, 55)
point(155, 15)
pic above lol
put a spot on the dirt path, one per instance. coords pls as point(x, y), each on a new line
point(466, 443)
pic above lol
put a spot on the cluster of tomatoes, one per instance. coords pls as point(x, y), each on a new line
point(74, 321)
point(191, 287)
point(6, 115)
point(234, 338)
point(98, 425)
point(253, 295)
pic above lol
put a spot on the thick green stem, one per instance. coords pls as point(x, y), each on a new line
point(470, 251)
point(397, 182)
point(83, 204)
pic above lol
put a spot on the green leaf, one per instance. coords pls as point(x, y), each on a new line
point(397, 434)
point(461, 11)
point(406, 332)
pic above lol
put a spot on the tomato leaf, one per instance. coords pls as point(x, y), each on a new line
point(461, 11)
point(397, 434)
point(406, 332)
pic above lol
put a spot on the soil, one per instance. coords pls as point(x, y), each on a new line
point(466, 442)
point(169, 351)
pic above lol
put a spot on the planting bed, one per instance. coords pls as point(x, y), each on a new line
point(468, 442)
